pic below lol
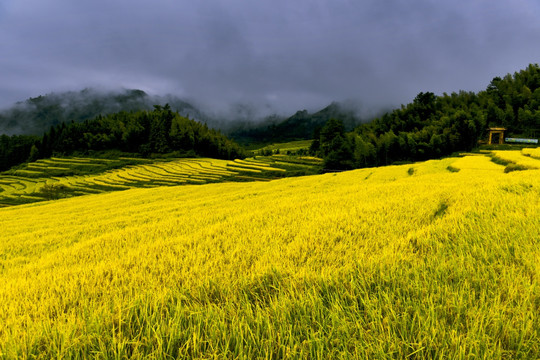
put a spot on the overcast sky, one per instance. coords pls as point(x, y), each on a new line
point(280, 54)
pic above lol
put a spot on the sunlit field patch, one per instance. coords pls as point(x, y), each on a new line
point(532, 152)
point(476, 163)
point(372, 263)
point(518, 158)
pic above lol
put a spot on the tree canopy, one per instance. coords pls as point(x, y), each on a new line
point(433, 126)
point(159, 131)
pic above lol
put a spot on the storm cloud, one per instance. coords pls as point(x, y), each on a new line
point(277, 55)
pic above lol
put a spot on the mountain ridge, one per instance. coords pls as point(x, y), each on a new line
point(36, 115)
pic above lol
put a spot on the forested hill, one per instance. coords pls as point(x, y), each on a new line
point(512, 102)
point(434, 126)
point(36, 115)
point(160, 131)
point(299, 126)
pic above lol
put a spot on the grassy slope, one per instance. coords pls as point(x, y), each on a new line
point(373, 263)
point(284, 147)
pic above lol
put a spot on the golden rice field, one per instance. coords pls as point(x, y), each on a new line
point(25, 185)
point(286, 147)
point(518, 158)
point(532, 152)
point(432, 260)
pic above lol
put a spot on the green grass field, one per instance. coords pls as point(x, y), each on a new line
point(283, 148)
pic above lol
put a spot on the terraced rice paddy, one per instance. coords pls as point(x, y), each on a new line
point(283, 148)
point(476, 163)
point(532, 152)
point(519, 158)
point(25, 185)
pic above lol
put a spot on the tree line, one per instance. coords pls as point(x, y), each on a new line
point(434, 126)
point(15, 149)
point(160, 131)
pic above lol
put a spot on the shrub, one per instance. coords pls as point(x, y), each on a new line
point(515, 167)
point(54, 191)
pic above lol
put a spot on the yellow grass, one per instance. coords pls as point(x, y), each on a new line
point(254, 164)
point(372, 263)
point(532, 152)
point(518, 158)
point(288, 146)
point(476, 163)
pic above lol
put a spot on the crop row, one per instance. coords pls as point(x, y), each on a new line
point(532, 152)
point(29, 184)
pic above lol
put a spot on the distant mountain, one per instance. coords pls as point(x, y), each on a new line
point(36, 115)
point(299, 126)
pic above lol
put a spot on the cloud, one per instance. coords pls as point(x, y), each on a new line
point(276, 55)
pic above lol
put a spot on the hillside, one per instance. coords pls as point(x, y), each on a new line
point(36, 115)
point(437, 259)
point(140, 133)
point(300, 126)
point(54, 178)
point(433, 126)
point(89, 121)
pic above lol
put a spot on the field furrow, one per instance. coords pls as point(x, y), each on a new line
point(65, 177)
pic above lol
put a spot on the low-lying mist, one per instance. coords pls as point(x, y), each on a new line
point(36, 115)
